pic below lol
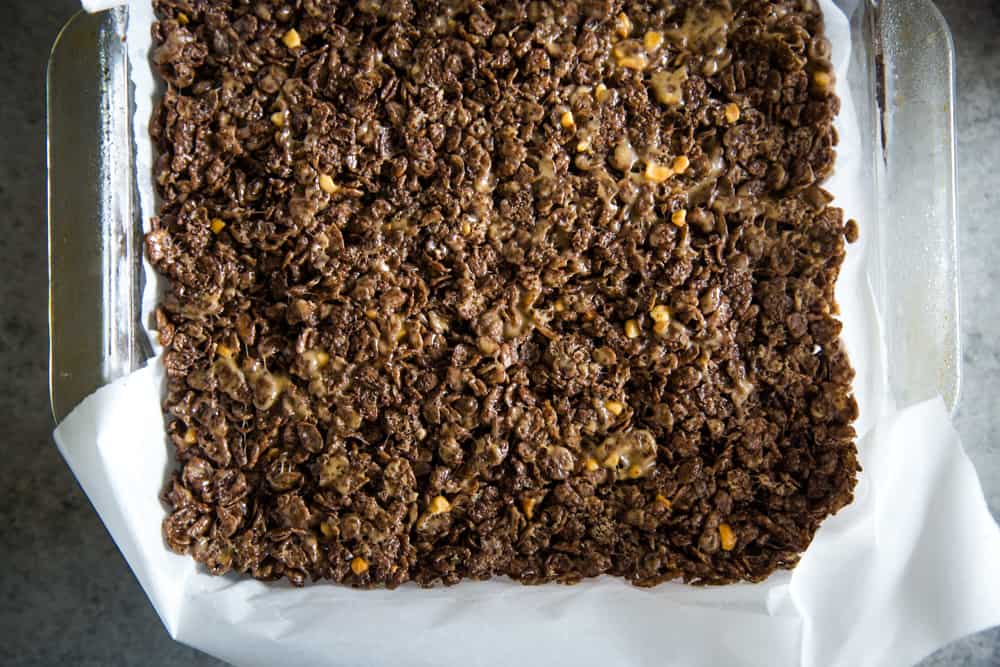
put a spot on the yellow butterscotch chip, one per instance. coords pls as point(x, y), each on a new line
point(439, 505)
point(727, 536)
point(623, 26)
point(652, 40)
point(528, 505)
point(601, 93)
point(224, 350)
point(217, 225)
point(278, 118)
point(190, 436)
point(591, 464)
point(632, 329)
point(663, 500)
point(182, 18)
point(661, 328)
point(359, 566)
point(679, 217)
point(732, 112)
point(680, 164)
point(657, 173)
point(615, 407)
point(292, 39)
point(327, 185)
point(822, 79)
point(659, 313)
point(632, 62)
point(567, 120)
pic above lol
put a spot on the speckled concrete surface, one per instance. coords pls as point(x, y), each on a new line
point(69, 598)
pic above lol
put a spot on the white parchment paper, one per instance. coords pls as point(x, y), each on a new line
point(98, 5)
point(913, 563)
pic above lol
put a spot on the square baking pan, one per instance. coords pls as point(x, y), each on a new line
point(902, 81)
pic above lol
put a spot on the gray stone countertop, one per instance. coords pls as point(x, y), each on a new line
point(70, 599)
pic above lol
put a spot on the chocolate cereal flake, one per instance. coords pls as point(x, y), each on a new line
point(537, 289)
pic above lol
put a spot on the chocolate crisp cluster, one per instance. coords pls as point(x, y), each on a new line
point(464, 289)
